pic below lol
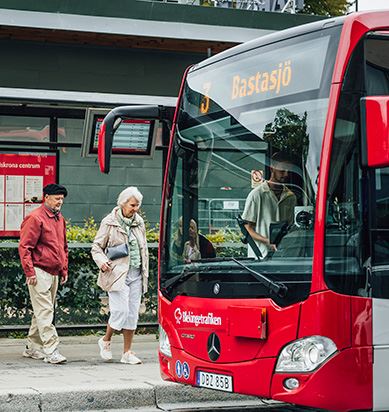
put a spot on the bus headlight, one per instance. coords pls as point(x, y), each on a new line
point(305, 355)
point(164, 344)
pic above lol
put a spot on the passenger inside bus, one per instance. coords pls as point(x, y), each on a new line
point(197, 247)
point(270, 202)
point(192, 246)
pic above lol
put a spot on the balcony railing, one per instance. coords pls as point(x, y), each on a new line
point(282, 6)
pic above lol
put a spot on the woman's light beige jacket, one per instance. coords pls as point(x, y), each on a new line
point(111, 234)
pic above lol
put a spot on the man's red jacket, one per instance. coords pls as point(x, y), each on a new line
point(43, 243)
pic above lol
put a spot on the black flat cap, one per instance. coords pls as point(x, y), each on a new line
point(54, 189)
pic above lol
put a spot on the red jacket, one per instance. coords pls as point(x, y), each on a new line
point(43, 243)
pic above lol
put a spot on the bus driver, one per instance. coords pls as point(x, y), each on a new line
point(271, 201)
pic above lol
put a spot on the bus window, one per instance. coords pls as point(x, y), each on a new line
point(377, 68)
point(344, 241)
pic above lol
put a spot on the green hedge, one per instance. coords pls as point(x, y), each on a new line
point(80, 300)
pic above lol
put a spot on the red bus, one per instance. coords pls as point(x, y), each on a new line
point(303, 316)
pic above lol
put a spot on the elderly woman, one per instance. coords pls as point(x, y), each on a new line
point(125, 275)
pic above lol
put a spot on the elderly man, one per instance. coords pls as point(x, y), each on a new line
point(43, 253)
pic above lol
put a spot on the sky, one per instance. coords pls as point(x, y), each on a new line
point(371, 5)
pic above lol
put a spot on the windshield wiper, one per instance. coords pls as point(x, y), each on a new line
point(191, 270)
point(222, 259)
point(277, 287)
point(185, 274)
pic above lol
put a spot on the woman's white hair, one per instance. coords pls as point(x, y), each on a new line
point(127, 194)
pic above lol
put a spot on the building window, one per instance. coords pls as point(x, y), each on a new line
point(70, 130)
point(23, 128)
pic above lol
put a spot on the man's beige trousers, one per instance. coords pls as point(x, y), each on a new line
point(42, 333)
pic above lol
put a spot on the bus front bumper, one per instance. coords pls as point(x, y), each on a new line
point(343, 383)
point(249, 377)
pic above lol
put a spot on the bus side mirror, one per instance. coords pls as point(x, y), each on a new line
point(375, 131)
point(113, 120)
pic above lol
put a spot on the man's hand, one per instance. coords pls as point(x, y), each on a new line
point(272, 247)
point(31, 280)
point(64, 279)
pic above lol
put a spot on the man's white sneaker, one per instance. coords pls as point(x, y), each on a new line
point(105, 349)
point(55, 357)
point(33, 353)
point(129, 357)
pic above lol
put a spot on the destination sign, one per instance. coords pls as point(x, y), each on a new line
point(258, 76)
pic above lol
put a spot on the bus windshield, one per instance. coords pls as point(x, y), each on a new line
point(248, 143)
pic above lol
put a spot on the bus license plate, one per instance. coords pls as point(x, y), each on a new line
point(214, 381)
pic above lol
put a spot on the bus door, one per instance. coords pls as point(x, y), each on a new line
point(379, 287)
point(379, 283)
point(375, 114)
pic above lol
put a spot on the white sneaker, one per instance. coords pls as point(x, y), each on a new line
point(129, 357)
point(55, 357)
point(33, 353)
point(105, 349)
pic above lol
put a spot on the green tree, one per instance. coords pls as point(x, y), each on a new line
point(288, 133)
point(326, 7)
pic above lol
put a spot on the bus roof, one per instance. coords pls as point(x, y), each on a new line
point(270, 38)
point(366, 17)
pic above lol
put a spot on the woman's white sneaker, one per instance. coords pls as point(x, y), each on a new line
point(105, 349)
point(129, 357)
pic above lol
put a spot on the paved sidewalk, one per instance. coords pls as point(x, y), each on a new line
point(87, 383)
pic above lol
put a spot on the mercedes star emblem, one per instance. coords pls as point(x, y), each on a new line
point(213, 346)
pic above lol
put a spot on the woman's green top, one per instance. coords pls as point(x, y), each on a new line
point(133, 246)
